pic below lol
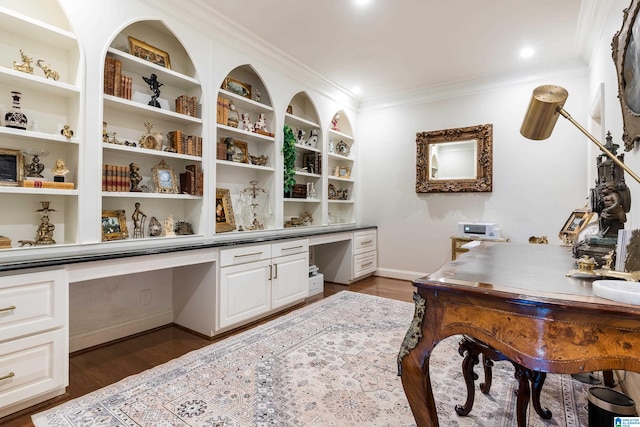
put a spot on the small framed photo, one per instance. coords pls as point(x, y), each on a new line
point(164, 178)
point(576, 222)
point(11, 167)
point(342, 172)
point(145, 51)
point(237, 87)
point(225, 219)
point(240, 152)
point(114, 225)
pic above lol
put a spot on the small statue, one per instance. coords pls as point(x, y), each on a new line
point(233, 117)
point(313, 138)
point(59, 170)
point(261, 124)
point(301, 134)
point(155, 228)
point(139, 219)
point(134, 177)
point(154, 85)
point(105, 134)
point(35, 168)
point(256, 95)
point(66, 132)
point(334, 122)
point(228, 141)
point(246, 123)
point(25, 67)
point(48, 72)
point(168, 227)
point(44, 234)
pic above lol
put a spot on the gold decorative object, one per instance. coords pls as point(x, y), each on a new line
point(538, 240)
point(258, 160)
point(66, 132)
point(586, 266)
point(148, 140)
point(48, 72)
point(44, 233)
point(25, 66)
point(164, 178)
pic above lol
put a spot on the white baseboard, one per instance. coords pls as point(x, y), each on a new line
point(399, 274)
point(120, 330)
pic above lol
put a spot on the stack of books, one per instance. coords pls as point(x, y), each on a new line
point(192, 180)
point(187, 105)
point(116, 83)
point(185, 144)
point(115, 178)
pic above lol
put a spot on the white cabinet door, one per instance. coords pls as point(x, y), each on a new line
point(290, 279)
point(244, 292)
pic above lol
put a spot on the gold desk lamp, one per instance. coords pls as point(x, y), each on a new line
point(544, 109)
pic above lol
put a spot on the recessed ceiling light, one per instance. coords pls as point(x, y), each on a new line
point(362, 2)
point(357, 90)
point(527, 52)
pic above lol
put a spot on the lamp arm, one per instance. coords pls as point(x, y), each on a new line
point(593, 139)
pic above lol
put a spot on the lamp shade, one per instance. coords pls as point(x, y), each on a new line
point(543, 111)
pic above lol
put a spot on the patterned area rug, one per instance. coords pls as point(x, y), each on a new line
point(332, 363)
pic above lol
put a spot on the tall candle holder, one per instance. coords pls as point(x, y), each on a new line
point(253, 194)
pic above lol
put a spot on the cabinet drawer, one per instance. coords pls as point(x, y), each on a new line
point(244, 254)
point(289, 247)
point(366, 263)
point(32, 302)
point(33, 366)
point(364, 241)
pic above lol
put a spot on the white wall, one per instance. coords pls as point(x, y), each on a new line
point(536, 185)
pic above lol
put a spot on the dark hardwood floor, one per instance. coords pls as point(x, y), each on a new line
point(98, 367)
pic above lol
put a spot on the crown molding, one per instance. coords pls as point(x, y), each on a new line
point(203, 17)
point(591, 24)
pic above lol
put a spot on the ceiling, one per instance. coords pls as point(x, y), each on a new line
point(396, 46)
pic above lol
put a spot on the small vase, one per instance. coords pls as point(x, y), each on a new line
point(15, 118)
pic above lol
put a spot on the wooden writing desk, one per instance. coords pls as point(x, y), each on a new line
point(458, 241)
point(517, 299)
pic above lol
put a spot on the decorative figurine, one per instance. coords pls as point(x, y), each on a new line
point(155, 228)
point(313, 138)
point(334, 122)
point(134, 177)
point(44, 233)
point(66, 132)
point(147, 140)
point(35, 168)
point(301, 134)
point(183, 228)
point(167, 229)
point(15, 118)
point(59, 170)
point(233, 117)
point(228, 141)
point(256, 95)
point(154, 85)
point(139, 219)
point(261, 124)
point(48, 72)
point(105, 134)
point(246, 123)
point(25, 67)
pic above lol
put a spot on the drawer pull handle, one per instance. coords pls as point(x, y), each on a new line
point(367, 264)
point(244, 255)
point(275, 275)
point(368, 242)
point(291, 248)
point(270, 272)
point(10, 308)
point(9, 375)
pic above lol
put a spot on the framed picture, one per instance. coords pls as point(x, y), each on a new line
point(225, 220)
point(576, 222)
point(342, 172)
point(145, 51)
point(240, 152)
point(164, 178)
point(237, 87)
point(11, 167)
point(114, 225)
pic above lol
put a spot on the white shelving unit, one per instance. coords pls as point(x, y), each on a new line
point(340, 173)
point(48, 104)
point(126, 121)
point(303, 117)
point(236, 172)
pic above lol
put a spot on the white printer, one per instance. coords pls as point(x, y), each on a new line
point(487, 230)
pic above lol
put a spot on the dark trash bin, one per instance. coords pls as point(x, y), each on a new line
point(605, 404)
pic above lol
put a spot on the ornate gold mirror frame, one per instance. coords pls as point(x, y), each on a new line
point(482, 135)
point(626, 55)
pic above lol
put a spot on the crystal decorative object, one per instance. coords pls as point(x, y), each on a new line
point(15, 118)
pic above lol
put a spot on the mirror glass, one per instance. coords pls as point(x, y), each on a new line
point(455, 160)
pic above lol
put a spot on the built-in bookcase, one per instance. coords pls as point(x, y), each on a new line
point(340, 170)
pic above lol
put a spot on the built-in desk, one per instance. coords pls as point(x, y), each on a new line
point(517, 299)
point(54, 304)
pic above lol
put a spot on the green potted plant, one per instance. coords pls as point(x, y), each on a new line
point(289, 153)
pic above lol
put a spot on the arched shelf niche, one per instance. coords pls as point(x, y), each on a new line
point(246, 153)
point(158, 128)
point(340, 170)
point(305, 202)
point(48, 76)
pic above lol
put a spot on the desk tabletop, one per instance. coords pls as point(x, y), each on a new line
point(529, 271)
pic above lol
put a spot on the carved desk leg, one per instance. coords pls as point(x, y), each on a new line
point(413, 367)
point(469, 361)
